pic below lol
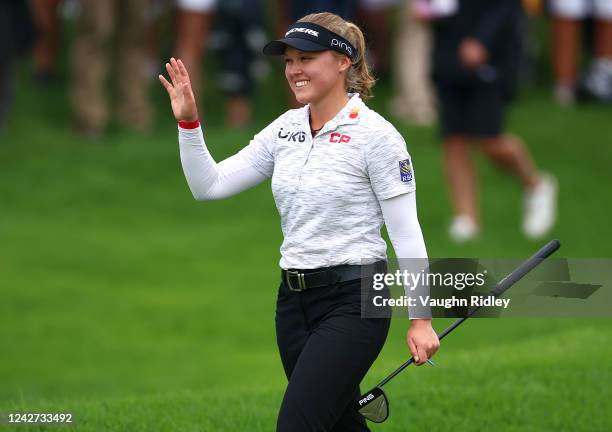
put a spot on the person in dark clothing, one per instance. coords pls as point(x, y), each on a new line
point(344, 8)
point(45, 16)
point(17, 36)
point(240, 36)
point(476, 48)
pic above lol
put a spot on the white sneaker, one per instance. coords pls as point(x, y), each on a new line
point(463, 229)
point(540, 207)
point(565, 95)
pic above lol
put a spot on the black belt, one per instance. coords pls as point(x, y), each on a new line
point(300, 280)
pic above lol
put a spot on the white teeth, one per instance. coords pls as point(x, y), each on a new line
point(301, 83)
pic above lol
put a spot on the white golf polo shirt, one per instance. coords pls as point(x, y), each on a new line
point(327, 188)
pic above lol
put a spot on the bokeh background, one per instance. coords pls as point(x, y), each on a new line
point(135, 307)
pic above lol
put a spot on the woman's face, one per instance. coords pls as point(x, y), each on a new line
point(313, 75)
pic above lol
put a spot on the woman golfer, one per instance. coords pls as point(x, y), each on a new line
point(339, 171)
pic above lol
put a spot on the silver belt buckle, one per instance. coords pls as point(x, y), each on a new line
point(300, 279)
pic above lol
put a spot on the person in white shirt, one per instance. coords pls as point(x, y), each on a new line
point(339, 171)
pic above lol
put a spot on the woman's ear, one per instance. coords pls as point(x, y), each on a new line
point(345, 63)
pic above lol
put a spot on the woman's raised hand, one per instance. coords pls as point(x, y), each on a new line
point(180, 92)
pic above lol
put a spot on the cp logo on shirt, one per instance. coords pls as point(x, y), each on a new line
point(336, 137)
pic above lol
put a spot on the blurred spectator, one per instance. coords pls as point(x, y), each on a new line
point(193, 26)
point(373, 15)
point(300, 8)
point(567, 18)
point(16, 38)
point(533, 7)
point(45, 14)
point(474, 63)
point(238, 39)
point(415, 99)
point(97, 22)
point(158, 23)
point(531, 44)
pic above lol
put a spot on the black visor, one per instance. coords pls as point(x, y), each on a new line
point(310, 37)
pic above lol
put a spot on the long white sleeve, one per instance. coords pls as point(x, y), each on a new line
point(400, 216)
point(207, 179)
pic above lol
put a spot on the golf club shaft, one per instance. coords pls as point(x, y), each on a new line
point(501, 286)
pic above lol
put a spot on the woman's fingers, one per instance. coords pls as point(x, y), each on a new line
point(422, 341)
point(418, 352)
point(433, 349)
point(171, 73)
point(165, 83)
point(177, 71)
point(183, 70)
point(413, 349)
point(181, 95)
point(422, 355)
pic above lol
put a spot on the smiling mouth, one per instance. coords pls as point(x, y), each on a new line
point(302, 83)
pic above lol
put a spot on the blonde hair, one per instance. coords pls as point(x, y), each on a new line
point(358, 77)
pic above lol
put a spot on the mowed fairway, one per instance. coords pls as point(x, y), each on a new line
point(126, 302)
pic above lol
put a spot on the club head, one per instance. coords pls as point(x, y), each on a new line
point(374, 405)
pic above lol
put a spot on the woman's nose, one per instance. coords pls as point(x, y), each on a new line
point(293, 69)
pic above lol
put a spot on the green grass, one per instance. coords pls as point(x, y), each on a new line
point(136, 308)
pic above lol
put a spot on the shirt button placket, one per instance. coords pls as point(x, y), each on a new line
point(303, 167)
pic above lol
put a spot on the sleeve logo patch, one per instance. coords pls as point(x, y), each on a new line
point(405, 170)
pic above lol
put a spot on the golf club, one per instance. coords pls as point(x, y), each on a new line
point(374, 404)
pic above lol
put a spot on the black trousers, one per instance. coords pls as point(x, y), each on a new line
point(326, 348)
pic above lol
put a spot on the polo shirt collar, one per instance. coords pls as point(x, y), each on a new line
point(350, 114)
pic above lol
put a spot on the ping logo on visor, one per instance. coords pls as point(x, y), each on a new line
point(342, 45)
point(310, 37)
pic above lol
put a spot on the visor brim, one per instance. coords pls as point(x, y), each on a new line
point(277, 47)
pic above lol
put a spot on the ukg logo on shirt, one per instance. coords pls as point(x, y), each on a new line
point(299, 136)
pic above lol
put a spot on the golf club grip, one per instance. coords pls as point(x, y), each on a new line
point(517, 274)
point(526, 267)
point(501, 286)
